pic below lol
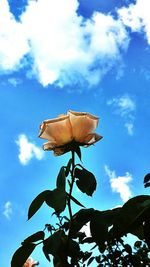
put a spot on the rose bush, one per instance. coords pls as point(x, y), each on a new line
point(69, 131)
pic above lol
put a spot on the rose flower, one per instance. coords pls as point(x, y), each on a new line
point(30, 263)
point(67, 132)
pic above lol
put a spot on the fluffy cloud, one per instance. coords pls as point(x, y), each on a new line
point(137, 17)
point(13, 42)
point(125, 107)
point(28, 150)
point(62, 47)
point(120, 184)
point(8, 210)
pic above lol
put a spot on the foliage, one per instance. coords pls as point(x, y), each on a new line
point(63, 243)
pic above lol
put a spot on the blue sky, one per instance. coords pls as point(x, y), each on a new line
point(89, 56)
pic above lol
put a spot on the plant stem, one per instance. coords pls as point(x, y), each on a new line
point(71, 186)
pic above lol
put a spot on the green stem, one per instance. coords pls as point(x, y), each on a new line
point(71, 186)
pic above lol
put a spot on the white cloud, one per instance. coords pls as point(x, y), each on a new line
point(62, 47)
point(28, 150)
point(8, 210)
point(13, 42)
point(125, 107)
point(129, 126)
point(137, 17)
point(120, 184)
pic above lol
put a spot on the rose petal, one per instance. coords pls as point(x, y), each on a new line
point(92, 139)
point(82, 124)
point(58, 151)
point(49, 145)
point(57, 130)
point(30, 263)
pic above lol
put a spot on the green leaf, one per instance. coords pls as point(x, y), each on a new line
point(61, 179)
point(56, 199)
point(131, 215)
point(90, 261)
point(99, 230)
point(22, 254)
point(79, 219)
point(37, 203)
point(147, 185)
point(86, 181)
point(35, 237)
point(78, 152)
point(53, 244)
point(75, 200)
point(68, 167)
point(147, 178)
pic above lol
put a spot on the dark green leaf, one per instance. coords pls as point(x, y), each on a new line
point(88, 240)
point(147, 185)
point(53, 244)
point(22, 254)
point(73, 249)
point(99, 230)
point(35, 237)
point(147, 232)
point(68, 167)
point(75, 201)
point(79, 219)
point(147, 178)
point(46, 253)
point(131, 215)
point(90, 261)
point(56, 199)
point(78, 151)
point(86, 181)
point(98, 259)
point(61, 179)
point(87, 255)
point(37, 203)
point(128, 248)
point(138, 244)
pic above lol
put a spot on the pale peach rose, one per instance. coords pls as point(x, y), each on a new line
point(30, 263)
point(69, 131)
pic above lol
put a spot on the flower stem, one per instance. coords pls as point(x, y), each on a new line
point(71, 186)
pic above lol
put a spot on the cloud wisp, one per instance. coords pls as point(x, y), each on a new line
point(8, 210)
point(120, 184)
point(60, 47)
point(125, 107)
point(28, 150)
point(137, 17)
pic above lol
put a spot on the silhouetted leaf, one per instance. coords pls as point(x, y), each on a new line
point(22, 254)
point(138, 244)
point(37, 203)
point(86, 181)
point(88, 240)
point(147, 185)
point(68, 167)
point(79, 219)
point(46, 253)
point(75, 201)
point(53, 244)
point(78, 151)
point(99, 230)
point(147, 178)
point(61, 179)
point(90, 261)
point(131, 215)
point(56, 199)
point(147, 232)
point(35, 237)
